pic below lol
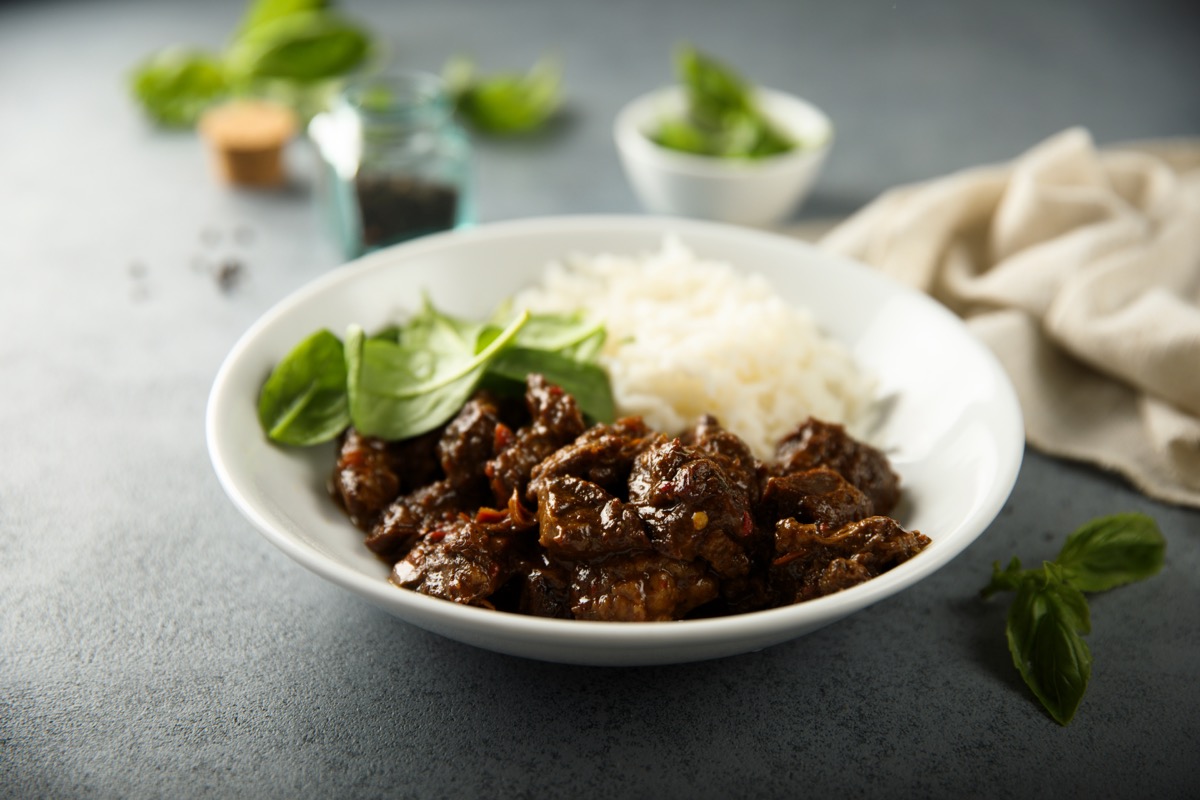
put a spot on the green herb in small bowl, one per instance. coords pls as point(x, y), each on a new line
point(715, 147)
point(722, 117)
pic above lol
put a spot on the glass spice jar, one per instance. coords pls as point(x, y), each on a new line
point(394, 163)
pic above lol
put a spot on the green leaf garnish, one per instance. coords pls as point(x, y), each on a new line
point(282, 48)
point(261, 12)
point(1044, 626)
point(587, 383)
point(1050, 614)
point(398, 391)
point(407, 379)
point(176, 84)
point(1112, 551)
point(722, 117)
point(505, 103)
point(304, 400)
point(302, 47)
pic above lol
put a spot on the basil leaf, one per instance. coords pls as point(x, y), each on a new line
point(722, 118)
point(302, 47)
point(304, 402)
point(1112, 551)
point(587, 383)
point(680, 134)
point(505, 103)
point(713, 88)
point(1006, 579)
point(397, 392)
point(176, 84)
point(1043, 631)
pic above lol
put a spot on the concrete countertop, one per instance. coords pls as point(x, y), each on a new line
point(152, 644)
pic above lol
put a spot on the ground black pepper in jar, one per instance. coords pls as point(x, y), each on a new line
point(395, 163)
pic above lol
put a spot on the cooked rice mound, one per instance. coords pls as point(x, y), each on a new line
point(688, 337)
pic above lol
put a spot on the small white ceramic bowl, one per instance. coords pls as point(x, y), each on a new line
point(759, 192)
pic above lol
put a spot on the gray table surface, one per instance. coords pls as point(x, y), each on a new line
point(153, 645)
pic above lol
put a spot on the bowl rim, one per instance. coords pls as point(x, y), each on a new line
point(632, 141)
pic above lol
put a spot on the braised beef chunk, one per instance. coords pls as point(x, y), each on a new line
point(691, 508)
point(407, 519)
point(824, 444)
point(555, 421)
point(469, 442)
point(458, 561)
point(639, 587)
point(603, 454)
point(578, 519)
point(815, 495)
point(363, 480)
point(812, 560)
point(524, 510)
point(370, 473)
point(730, 452)
point(545, 589)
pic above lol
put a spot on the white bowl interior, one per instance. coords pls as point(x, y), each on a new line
point(952, 425)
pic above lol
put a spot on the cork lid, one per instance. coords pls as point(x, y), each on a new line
point(247, 138)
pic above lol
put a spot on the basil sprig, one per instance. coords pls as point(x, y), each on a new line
point(1049, 615)
point(408, 379)
point(722, 117)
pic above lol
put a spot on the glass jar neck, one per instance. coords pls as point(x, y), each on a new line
point(397, 103)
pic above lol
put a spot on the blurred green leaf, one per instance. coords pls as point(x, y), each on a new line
point(304, 47)
point(176, 84)
point(505, 103)
point(261, 12)
point(722, 118)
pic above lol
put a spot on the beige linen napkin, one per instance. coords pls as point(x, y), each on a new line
point(1080, 268)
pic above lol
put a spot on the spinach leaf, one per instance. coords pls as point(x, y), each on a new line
point(569, 334)
point(431, 330)
point(1112, 551)
point(587, 383)
point(301, 47)
point(304, 400)
point(176, 84)
point(1043, 630)
point(398, 391)
point(505, 103)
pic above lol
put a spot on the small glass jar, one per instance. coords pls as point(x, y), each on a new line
point(394, 163)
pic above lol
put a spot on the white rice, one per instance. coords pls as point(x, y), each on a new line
point(688, 337)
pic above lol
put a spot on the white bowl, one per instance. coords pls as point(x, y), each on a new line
point(756, 192)
point(952, 425)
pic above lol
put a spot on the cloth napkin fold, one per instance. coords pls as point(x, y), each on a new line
point(1080, 268)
